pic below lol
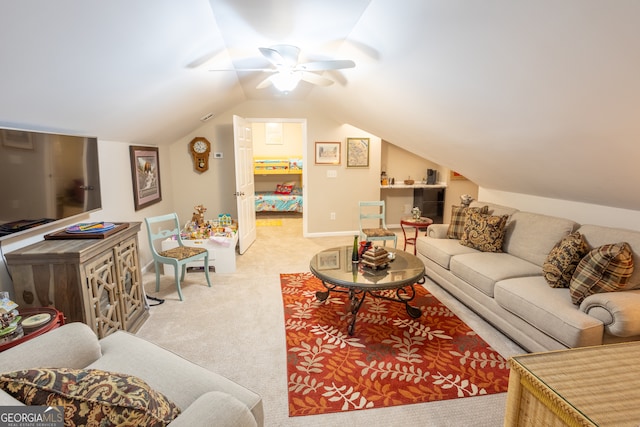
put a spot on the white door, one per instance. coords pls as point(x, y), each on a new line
point(245, 189)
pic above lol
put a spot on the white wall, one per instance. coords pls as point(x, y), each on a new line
point(582, 213)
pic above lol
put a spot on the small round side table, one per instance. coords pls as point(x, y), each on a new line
point(417, 224)
point(57, 319)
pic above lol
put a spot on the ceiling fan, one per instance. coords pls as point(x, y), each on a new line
point(288, 72)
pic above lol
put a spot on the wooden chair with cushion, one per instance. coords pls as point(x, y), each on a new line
point(179, 256)
point(375, 211)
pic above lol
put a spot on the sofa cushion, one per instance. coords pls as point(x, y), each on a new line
point(549, 310)
point(440, 251)
point(563, 260)
point(531, 236)
point(604, 269)
point(91, 396)
point(483, 269)
point(459, 217)
point(484, 232)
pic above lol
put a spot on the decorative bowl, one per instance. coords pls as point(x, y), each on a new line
point(409, 181)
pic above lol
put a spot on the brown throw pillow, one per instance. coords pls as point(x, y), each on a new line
point(91, 396)
point(563, 259)
point(604, 269)
point(484, 232)
point(458, 218)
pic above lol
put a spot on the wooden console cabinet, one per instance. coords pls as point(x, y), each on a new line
point(94, 281)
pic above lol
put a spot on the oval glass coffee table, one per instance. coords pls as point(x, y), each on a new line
point(338, 274)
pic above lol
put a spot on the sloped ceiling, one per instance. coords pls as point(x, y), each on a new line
point(535, 96)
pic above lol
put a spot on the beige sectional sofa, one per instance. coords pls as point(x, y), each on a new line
point(204, 398)
point(509, 290)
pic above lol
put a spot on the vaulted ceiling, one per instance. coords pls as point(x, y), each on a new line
point(535, 96)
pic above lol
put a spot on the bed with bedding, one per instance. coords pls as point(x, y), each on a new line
point(279, 201)
point(268, 173)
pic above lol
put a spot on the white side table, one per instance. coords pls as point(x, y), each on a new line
point(222, 254)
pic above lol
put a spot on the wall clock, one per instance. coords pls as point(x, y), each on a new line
point(200, 149)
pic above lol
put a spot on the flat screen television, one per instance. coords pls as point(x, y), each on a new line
point(45, 177)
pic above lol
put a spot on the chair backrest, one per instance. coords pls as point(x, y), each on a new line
point(374, 210)
point(170, 228)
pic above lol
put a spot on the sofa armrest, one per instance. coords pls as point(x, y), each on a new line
point(617, 310)
point(7, 400)
point(73, 345)
point(218, 409)
point(438, 231)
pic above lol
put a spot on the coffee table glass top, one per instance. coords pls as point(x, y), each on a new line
point(334, 266)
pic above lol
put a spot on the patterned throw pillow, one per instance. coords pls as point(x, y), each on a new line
point(563, 260)
point(458, 218)
point(484, 232)
point(91, 396)
point(284, 189)
point(604, 269)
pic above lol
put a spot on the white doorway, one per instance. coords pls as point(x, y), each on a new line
point(281, 138)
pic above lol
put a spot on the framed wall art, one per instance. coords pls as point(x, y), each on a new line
point(357, 152)
point(327, 153)
point(273, 134)
point(16, 139)
point(145, 175)
point(455, 176)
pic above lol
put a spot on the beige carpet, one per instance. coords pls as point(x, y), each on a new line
point(236, 329)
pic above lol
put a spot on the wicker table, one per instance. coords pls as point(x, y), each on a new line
point(591, 386)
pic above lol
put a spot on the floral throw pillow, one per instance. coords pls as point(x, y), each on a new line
point(484, 232)
point(91, 396)
point(604, 269)
point(284, 189)
point(563, 259)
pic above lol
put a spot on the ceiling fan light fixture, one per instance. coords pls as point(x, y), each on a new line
point(286, 81)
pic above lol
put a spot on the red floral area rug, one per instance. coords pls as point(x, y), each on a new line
point(391, 359)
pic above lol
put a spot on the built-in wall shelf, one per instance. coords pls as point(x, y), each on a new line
point(405, 186)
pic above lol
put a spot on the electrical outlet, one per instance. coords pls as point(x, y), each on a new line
point(332, 215)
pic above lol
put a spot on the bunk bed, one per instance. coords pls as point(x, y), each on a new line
point(286, 196)
point(277, 165)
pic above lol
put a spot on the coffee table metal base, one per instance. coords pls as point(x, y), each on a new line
point(404, 296)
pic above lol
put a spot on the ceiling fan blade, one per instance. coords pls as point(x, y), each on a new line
point(337, 64)
point(316, 79)
point(264, 70)
point(281, 54)
point(265, 83)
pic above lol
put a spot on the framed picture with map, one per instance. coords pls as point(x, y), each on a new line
point(357, 152)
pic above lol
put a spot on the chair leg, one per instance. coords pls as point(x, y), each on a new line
point(206, 269)
point(178, 281)
point(157, 268)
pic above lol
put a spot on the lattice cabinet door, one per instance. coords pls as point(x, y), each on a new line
point(103, 308)
point(132, 300)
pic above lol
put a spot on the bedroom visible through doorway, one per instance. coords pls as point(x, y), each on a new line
point(279, 171)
